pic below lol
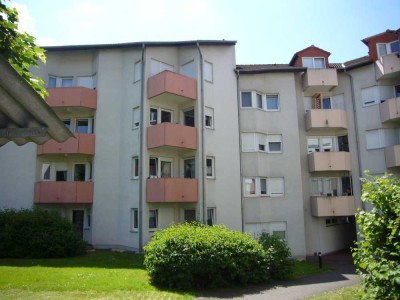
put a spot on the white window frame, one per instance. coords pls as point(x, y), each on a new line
point(90, 125)
point(134, 219)
point(321, 147)
point(156, 219)
point(136, 117)
point(212, 211)
point(87, 170)
point(322, 185)
point(313, 58)
point(209, 112)
point(59, 80)
point(135, 167)
point(159, 160)
point(260, 142)
point(137, 71)
point(157, 66)
point(259, 101)
point(212, 159)
point(374, 91)
point(241, 99)
point(43, 171)
point(189, 69)
point(387, 46)
point(278, 102)
point(274, 138)
point(184, 164)
point(158, 117)
point(269, 183)
point(67, 78)
point(90, 79)
point(208, 71)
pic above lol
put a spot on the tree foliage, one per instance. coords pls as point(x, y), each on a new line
point(19, 48)
point(378, 254)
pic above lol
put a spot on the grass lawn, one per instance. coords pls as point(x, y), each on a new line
point(305, 268)
point(96, 275)
point(353, 292)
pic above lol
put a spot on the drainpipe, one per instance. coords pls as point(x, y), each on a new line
point(353, 102)
point(203, 208)
point(141, 160)
point(240, 146)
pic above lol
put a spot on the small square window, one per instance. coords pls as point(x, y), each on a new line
point(134, 219)
point(66, 82)
point(246, 99)
point(261, 147)
point(82, 126)
point(272, 102)
point(153, 218)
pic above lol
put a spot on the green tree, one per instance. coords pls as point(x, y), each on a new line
point(19, 48)
point(378, 254)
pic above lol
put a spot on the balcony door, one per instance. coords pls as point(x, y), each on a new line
point(77, 220)
point(161, 167)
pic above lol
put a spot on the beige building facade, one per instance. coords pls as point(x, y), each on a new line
point(168, 132)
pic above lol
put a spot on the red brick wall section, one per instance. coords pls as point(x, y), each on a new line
point(386, 37)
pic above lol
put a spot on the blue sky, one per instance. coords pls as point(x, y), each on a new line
point(266, 31)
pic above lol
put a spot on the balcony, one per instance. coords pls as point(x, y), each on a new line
point(326, 119)
point(319, 80)
point(81, 144)
point(63, 192)
point(390, 110)
point(172, 135)
point(72, 97)
point(171, 190)
point(336, 206)
point(388, 66)
point(392, 156)
point(329, 161)
point(171, 87)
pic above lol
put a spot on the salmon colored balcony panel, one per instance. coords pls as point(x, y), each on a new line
point(81, 144)
point(329, 161)
point(392, 156)
point(172, 87)
point(335, 206)
point(319, 80)
point(390, 110)
point(171, 190)
point(388, 66)
point(173, 135)
point(326, 119)
point(63, 192)
point(72, 97)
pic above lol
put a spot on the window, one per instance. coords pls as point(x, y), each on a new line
point(160, 167)
point(86, 81)
point(272, 102)
point(189, 215)
point(83, 126)
point(166, 168)
point(153, 218)
point(46, 167)
point(326, 103)
point(52, 82)
point(319, 101)
point(376, 138)
point(189, 69)
point(160, 115)
point(259, 101)
point(66, 81)
point(314, 62)
point(188, 117)
point(61, 175)
point(321, 144)
point(209, 117)
point(153, 116)
point(158, 67)
point(134, 219)
point(210, 172)
point(135, 167)
point(272, 228)
point(246, 99)
point(279, 233)
point(79, 172)
point(153, 166)
point(260, 186)
point(210, 216)
point(397, 91)
point(136, 117)
point(189, 166)
point(208, 71)
point(88, 219)
point(325, 186)
point(269, 143)
point(67, 124)
point(137, 71)
point(387, 48)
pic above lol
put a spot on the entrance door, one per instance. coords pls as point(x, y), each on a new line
point(77, 220)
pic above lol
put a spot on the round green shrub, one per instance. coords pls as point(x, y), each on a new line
point(193, 255)
point(37, 233)
point(281, 263)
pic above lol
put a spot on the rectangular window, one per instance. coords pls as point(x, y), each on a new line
point(153, 218)
point(67, 124)
point(276, 187)
point(61, 175)
point(397, 91)
point(208, 71)
point(46, 167)
point(86, 81)
point(246, 99)
point(189, 215)
point(66, 82)
point(134, 219)
point(52, 83)
point(159, 115)
point(166, 116)
point(188, 117)
point(259, 101)
point(250, 186)
point(79, 172)
point(370, 96)
point(82, 126)
point(209, 117)
point(263, 186)
point(153, 116)
point(259, 186)
point(153, 165)
point(189, 166)
point(136, 117)
point(313, 145)
point(249, 141)
point(160, 167)
point(210, 167)
point(314, 62)
point(326, 103)
point(272, 102)
point(166, 168)
point(321, 144)
point(137, 71)
point(325, 186)
point(189, 69)
point(274, 143)
point(210, 216)
point(88, 219)
point(158, 67)
point(135, 167)
point(374, 139)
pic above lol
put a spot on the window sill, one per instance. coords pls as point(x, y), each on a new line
point(134, 178)
point(134, 230)
point(211, 178)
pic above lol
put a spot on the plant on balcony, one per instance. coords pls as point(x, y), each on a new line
point(281, 264)
point(37, 233)
point(377, 256)
point(193, 255)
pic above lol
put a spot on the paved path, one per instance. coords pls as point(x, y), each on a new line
point(343, 275)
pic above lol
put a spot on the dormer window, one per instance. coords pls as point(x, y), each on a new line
point(314, 62)
point(387, 48)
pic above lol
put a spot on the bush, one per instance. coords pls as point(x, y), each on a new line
point(37, 233)
point(378, 254)
point(193, 255)
point(281, 263)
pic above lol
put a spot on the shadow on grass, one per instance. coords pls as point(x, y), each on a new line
point(95, 259)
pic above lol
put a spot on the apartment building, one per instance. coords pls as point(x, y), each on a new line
point(167, 132)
